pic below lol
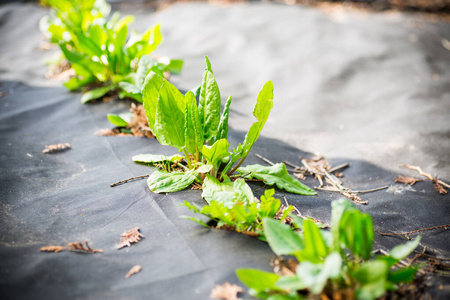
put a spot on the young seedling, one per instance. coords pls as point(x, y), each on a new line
point(243, 214)
point(101, 52)
point(200, 132)
point(340, 262)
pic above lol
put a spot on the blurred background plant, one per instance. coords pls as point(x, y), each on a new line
point(103, 57)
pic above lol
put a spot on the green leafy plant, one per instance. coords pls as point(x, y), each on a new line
point(238, 210)
point(101, 52)
point(330, 263)
point(200, 132)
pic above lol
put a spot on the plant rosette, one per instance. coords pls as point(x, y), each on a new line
point(200, 132)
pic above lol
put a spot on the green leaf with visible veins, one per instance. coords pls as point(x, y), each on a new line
point(150, 94)
point(211, 184)
point(263, 106)
point(209, 104)
point(156, 158)
point(281, 238)
point(278, 175)
point(169, 117)
point(223, 124)
point(193, 128)
point(162, 182)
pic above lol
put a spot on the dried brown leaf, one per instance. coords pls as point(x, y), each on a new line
point(3, 93)
point(300, 175)
point(438, 187)
point(226, 291)
point(53, 248)
point(79, 247)
point(407, 180)
point(130, 237)
point(196, 186)
point(133, 270)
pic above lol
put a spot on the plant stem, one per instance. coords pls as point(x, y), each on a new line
point(237, 166)
point(188, 158)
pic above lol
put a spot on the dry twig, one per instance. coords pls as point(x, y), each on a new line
point(407, 180)
point(439, 185)
point(446, 226)
point(127, 180)
point(56, 148)
point(130, 237)
point(133, 270)
point(226, 291)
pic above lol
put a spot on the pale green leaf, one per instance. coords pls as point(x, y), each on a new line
point(315, 276)
point(95, 94)
point(276, 175)
point(162, 182)
point(215, 153)
point(211, 184)
point(338, 208)
point(402, 251)
point(315, 249)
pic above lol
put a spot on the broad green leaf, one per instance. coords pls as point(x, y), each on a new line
point(204, 168)
point(315, 276)
point(372, 276)
point(278, 175)
point(223, 124)
point(120, 120)
point(193, 127)
point(239, 193)
point(258, 280)
point(211, 184)
point(156, 158)
point(281, 238)
point(356, 232)
point(402, 251)
point(161, 182)
point(150, 95)
point(215, 153)
point(169, 117)
point(209, 104)
point(315, 249)
point(95, 94)
point(263, 106)
point(338, 207)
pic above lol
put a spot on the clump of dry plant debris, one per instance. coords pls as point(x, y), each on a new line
point(439, 185)
point(74, 247)
point(56, 148)
point(130, 237)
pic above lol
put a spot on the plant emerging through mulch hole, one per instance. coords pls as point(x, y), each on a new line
point(339, 263)
point(105, 59)
point(133, 122)
point(200, 132)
